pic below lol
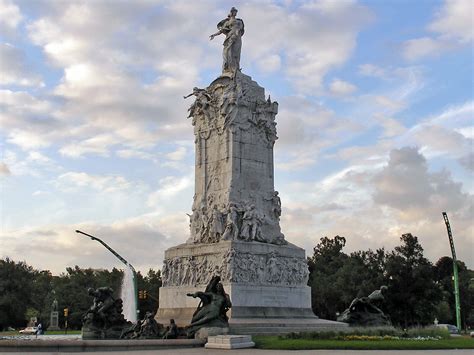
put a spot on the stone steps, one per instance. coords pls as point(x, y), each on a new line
point(229, 342)
point(280, 328)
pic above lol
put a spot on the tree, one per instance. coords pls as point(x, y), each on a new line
point(413, 295)
point(336, 278)
point(443, 271)
point(370, 275)
point(324, 265)
point(26, 292)
point(71, 290)
point(151, 283)
point(41, 293)
point(16, 285)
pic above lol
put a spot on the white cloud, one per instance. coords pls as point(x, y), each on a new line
point(27, 140)
point(415, 198)
point(372, 70)
point(101, 102)
point(269, 63)
point(467, 161)
point(314, 38)
point(404, 182)
point(133, 153)
point(14, 68)
point(453, 25)
point(39, 158)
point(21, 103)
point(392, 105)
point(33, 163)
point(96, 145)
point(467, 132)
point(455, 20)
point(57, 246)
point(384, 105)
point(104, 102)
point(407, 186)
point(10, 16)
point(29, 122)
point(446, 133)
point(170, 187)
point(391, 126)
point(372, 204)
point(178, 154)
point(305, 128)
point(421, 47)
point(341, 88)
point(73, 180)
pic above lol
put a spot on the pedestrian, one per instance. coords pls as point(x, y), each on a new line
point(39, 330)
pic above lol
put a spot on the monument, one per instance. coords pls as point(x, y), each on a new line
point(54, 315)
point(235, 221)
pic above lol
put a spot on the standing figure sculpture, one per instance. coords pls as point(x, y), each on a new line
point(233, 28)
point(250, 224)
point(217, 225)
point(231, 231)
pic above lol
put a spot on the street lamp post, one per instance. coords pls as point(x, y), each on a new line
point(121, 259)
point(455, 272)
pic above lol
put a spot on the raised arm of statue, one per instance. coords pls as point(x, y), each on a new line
point(195, 92)
point(211, 37)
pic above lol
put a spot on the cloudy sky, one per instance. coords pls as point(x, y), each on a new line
point(375, 124)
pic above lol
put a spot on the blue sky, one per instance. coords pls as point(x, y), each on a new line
point(375, 122)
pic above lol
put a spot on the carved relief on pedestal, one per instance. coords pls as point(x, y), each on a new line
point(236, 222)
point(236, 267)
point(235, 131)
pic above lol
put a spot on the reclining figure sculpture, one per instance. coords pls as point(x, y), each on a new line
point(211, 311)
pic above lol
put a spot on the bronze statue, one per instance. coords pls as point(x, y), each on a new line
point(172, 332)
point(147, 328)
point(365, 312)
point(104, 319)
point(212, 309)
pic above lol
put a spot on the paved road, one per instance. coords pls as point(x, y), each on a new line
point(202, 351)
point(45, 337)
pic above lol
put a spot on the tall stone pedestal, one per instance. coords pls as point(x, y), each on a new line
point(54, 321)
point(266, 284)
point(235, 222)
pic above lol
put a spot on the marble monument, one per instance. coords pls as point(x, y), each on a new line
point(235, 221)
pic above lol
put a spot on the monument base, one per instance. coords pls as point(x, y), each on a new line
point(266, 284)
point(54, 321)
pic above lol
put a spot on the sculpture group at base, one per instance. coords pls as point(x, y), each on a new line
point(364, 311)
point(104, 319)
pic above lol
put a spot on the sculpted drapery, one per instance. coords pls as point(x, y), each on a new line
point(233, 28)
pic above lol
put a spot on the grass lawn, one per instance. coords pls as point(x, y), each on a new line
point(274, 342)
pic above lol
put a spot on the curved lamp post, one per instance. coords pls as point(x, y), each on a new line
point(121, 259)
point(455, 272)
